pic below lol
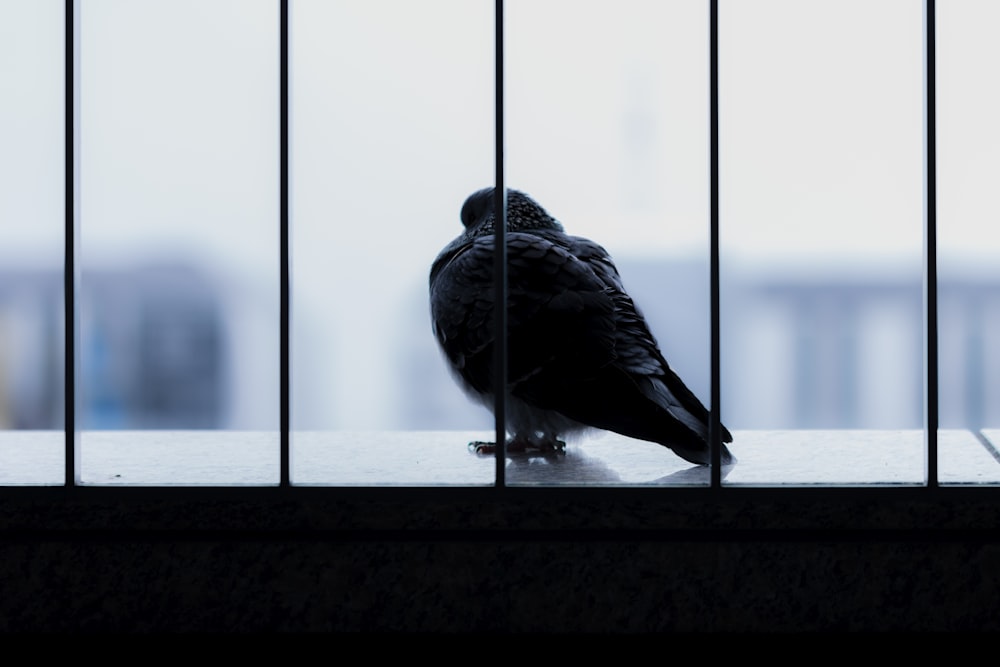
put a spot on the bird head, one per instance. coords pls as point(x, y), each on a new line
point(523, 213)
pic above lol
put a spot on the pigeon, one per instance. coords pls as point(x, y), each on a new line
point(580, 353)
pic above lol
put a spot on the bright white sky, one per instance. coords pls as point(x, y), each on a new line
point(606, 117)
point(392, 117)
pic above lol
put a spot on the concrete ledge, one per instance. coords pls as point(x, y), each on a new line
point(442, 458)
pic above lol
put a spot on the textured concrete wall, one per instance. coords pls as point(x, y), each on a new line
point(531, 563)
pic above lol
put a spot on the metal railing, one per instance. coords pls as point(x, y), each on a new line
point(72, 235)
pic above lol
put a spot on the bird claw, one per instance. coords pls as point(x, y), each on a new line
point(480, 447)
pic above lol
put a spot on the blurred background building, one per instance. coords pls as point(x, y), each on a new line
point(160, 351)
point(154, 347)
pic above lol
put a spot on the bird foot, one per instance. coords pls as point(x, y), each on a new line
point(520, 445)
point(532, 445)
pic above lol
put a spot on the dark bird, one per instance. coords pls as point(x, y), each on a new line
point(580, 354)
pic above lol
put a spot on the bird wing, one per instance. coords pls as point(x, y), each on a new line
point(561, 320)
point(576, 342)
point(636, 352)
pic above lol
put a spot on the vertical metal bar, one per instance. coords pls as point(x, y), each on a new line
point(714, 424)
point(285, 306)
point(70, 264)
point(500, 265)
point(930, 245)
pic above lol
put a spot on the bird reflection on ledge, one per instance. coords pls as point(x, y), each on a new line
point(573, 466)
